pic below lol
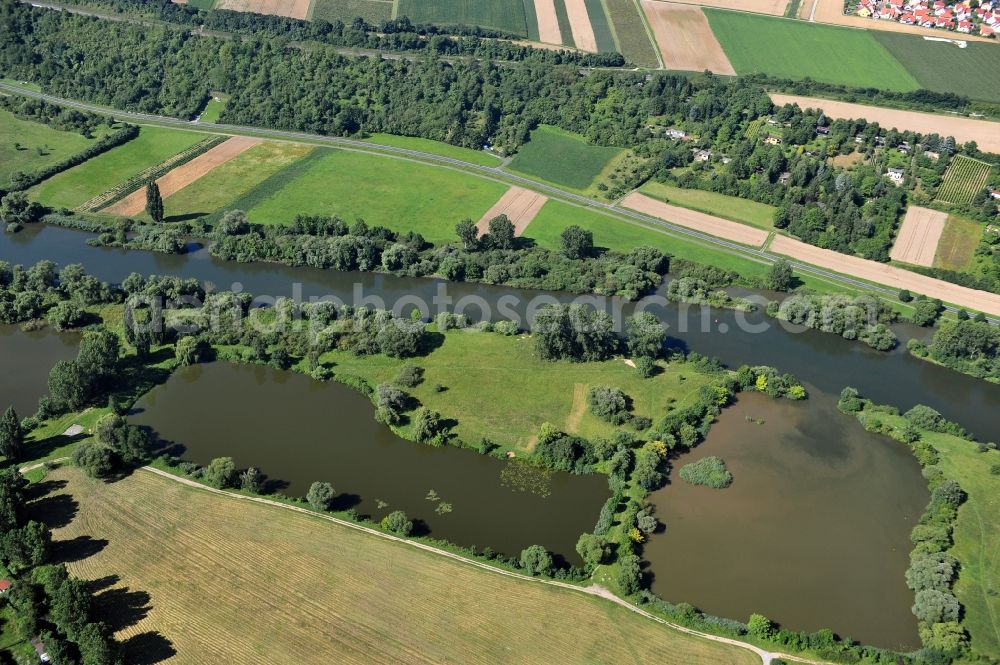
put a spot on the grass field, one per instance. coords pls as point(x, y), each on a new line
point(389, 192)
point(958, 242)
point(797, 49)
point(964, 178)
point(40, 145)
point(721, 205)
point(81, 183)
point(371, 11)
point(480, 157)
point(564, 28)
point(223, 185)
point(202, 4)
point(213, 109)
point(601, 25)
point(288, 588)
point(524, 391)
point(972, 72)
point(505, 15)
point(630, 28)
point(562, 158)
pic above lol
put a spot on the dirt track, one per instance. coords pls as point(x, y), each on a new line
point(291, 8)
point(888, 275)
point(722, 228)
point(519, 204)
point(772, 7)
point(579, 23)
point(832, 11)
point(182, 176)
point(918, 237)
point(548, 22)
point(984, 132)
point(685, 38)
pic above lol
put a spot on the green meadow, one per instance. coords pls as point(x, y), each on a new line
point(712, 203)
point(480, 157)
point(562, 158)
point(395, 193)
point(81, 183)
point(799, 49)
point(504, 15)
point(38, 145)
point(973, 71)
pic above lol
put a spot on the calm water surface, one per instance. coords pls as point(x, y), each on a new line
point(25, 361)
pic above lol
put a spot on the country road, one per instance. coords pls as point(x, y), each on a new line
point(496, 173)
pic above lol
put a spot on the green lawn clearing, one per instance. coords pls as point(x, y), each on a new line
point(223, 185)
point(973, 71)
point(504, 15)
point(721, 205)
point(81, 183)
point(371, 11)
point(38, 145)
point(480, 157)
point(562, 158)
point(957, 246)
point(395, 193)
point(498, 388)
point(213, 109)
point(799, 49)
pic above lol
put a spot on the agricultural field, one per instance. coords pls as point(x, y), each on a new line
point(601, 26)
point(220, 187)
point(797, 49)
point(756, 214)
point(918, 236)
point(561, 157)
point(395, 193)
point(525, 391)
point(519, 205)
point(504, 15)
point(685, 38)
point(39, 145)
point(290, 588)
point(81, 183)
point(634, 40)
point(371, 11)
point(565, 29)
point(290, 8)
point(204, 5)
point(973, 71)
point(964, 178)
point(957, 247)
point(480, 157)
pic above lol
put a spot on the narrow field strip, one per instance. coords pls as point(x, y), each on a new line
point(579, 22)
point(887, 275)
point(292, 8)
point(179, 178)
point(548, 22)
point(918, 237)
point(985, 133)
point(519, 204)
point(699, 221)
point(685, 38)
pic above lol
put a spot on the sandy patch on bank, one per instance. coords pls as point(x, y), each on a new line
point(579, 23)
point(519, 204)
point(699, 221)
point(685, 38)
point(919, 236)
point(291, 8)
point(984, 132)
point(887, 275)
point(182, 176)
point(548, 22)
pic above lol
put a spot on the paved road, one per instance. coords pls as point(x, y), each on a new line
point(494, 172)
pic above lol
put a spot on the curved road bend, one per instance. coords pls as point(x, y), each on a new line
point(494, 172)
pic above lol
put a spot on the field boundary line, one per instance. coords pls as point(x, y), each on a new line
point(649, 33)
point(594, 590)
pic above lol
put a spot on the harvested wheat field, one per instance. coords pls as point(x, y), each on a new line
point(234, 581)
point(984, 132)
point(685, 38)
point(291, 8)
point(919, 236)
point(772, 7)
point(699, 221)
point(832, 11)
point(182, 176)
point(519, 204)
point(579, 23)
point(890, 276)
point(548, 22)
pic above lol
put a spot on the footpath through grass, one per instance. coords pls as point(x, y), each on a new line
point(82, 183)
point(384, 600)
point(798, 49)
point(562, 158)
